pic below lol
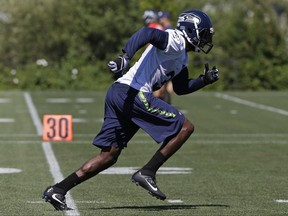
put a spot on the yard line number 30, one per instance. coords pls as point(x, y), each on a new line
point(57, 128)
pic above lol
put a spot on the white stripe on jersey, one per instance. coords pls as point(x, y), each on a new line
point(155, 67)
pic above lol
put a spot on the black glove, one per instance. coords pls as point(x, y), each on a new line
point(210, 76)
point(119, 65)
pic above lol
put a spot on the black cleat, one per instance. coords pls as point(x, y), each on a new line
point(148, 183)
point(56, 199)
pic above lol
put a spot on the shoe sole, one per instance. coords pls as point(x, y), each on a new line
point(152, 194)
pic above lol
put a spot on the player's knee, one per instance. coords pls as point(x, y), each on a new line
point(113, 159)
point(112, 155)
point(188, 127)
point(105, 159)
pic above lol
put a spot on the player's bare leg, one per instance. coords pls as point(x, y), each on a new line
point(56, 194)
point(165, 92)
point(160, 93)
point(145, 177)
point(172, 145)
point(93, 166)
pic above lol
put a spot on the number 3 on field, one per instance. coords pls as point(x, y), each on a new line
point(57, 128)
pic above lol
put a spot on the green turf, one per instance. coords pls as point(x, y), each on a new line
point(238, 156)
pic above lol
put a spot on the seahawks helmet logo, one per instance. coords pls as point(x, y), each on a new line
point(190, 18)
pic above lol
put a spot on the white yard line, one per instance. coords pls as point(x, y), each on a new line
point(18, 135)
point(252, 104)
point(5, 100)
point(174, 201)
point(49, 154)
point(7, 120)
point(281, 201)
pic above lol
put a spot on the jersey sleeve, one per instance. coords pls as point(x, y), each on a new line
point(145, 35)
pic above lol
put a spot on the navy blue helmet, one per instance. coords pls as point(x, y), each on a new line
point(196, 27)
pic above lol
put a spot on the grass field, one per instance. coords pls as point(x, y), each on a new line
point(234, 164)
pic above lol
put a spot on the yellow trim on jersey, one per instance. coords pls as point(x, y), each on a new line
point(152, 110)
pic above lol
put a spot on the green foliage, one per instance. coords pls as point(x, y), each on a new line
point(82, 35)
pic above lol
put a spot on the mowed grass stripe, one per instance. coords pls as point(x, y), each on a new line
point(276, 138)
point(146, 135)
point(204, 142)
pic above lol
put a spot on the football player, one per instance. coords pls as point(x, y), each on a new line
point(151, 19)
point(130, 103)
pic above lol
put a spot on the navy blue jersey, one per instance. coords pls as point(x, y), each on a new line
point(158, 65)
point(130, 103)
point(164, 59)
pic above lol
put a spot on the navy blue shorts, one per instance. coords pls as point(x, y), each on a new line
point(127, 110)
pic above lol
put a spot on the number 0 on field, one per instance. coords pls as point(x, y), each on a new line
point(57, 128)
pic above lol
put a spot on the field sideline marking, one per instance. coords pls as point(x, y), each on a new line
point(5, 100)
point(49, 154)
point(281, 201)
point(252, 104)
point(7, 120)
point(175, 201)
point(131, 170)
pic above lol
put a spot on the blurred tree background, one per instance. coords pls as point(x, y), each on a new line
point(52, 44)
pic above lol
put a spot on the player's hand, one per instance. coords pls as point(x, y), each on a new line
point(119, 65)
point(210, 76)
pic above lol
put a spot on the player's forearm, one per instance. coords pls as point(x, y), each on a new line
point(190, 86)
point(183, 85)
